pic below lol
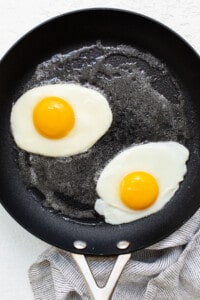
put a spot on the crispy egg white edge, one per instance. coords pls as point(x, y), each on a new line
point(92, 112)
point(171, 165)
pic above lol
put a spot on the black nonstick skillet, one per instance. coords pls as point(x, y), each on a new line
point(63, 34)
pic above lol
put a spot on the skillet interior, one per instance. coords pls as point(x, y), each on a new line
point(64, 34)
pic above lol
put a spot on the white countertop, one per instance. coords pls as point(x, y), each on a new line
point(18, 248)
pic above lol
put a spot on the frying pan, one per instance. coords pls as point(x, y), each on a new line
point(63, 34)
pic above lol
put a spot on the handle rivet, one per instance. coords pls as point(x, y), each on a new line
point(80, 245)
point(122, 245)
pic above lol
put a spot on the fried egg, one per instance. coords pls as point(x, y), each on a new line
point(60, 119)
point(140, 180)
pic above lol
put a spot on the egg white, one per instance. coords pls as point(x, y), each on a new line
point(166, 161)
point(93, 117)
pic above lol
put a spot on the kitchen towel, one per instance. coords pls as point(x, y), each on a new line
point(168, 270)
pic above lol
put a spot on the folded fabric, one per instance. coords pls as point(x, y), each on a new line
point(167, 270)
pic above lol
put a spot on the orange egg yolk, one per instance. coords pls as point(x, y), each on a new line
point(138, 190)
point(53, 117)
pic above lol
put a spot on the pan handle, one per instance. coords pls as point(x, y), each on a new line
point(96, 292)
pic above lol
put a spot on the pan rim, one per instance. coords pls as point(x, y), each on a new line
point(83, 10)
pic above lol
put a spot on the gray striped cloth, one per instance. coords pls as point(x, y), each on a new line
point(167, 270)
